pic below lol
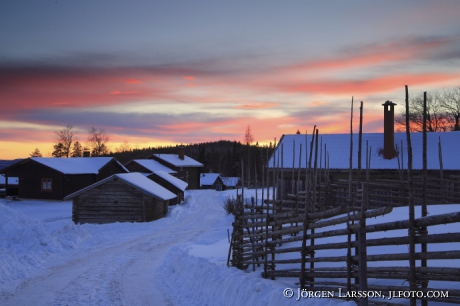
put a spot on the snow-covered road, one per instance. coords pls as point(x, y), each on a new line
point(122, 273)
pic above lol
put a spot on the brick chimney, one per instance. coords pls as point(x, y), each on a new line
point(181, 153)
point(389, 130)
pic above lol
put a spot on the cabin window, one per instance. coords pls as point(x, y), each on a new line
point(46, 184)
point(181, 169)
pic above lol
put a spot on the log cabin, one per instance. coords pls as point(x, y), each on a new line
point(124, 197)
point(54, 178)
point(186, 167)
point(211, 181)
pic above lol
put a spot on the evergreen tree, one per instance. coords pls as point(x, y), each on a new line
point(59, 150)
point(77, 150)
point(36, 153)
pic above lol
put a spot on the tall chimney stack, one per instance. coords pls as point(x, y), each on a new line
point(389, 130)
point(181, 153)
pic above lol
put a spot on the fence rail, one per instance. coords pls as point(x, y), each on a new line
point(266, 236)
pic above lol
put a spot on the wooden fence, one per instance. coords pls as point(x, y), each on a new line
point(381, 191)
point(279, 236)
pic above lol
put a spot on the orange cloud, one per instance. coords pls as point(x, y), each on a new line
point(261, 105)
point(189, 77)
point(317, 103)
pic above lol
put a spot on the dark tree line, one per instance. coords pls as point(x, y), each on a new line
point(224, 157)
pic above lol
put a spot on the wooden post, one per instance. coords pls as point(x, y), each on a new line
point(306, 171)
point(242, 182)
point(441, 172)
point(266, 218)
point(361, 237)
point(313, 207)
point(360, 142)
point(293, 167)
point(303, 252)
point(275, 177)
point(423, 230)
point(411, 230)
point(253, 231)
point(349, 200)
point(403, 188)
point(282, 178)
point(298, 177)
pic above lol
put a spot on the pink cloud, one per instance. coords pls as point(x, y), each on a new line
point(260, 105)
point(370, 85)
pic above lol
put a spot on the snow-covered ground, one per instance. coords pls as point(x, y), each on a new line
point(45, 259)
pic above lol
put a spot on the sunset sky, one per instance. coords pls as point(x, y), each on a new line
point(168, 72)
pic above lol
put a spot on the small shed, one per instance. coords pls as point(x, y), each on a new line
point(186, 167)
point(211, 181)
point(173, 184)
point(231, 182)
point(124, 197)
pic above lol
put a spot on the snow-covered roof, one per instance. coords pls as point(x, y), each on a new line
point(11, 180)
point(338, 148)
point(174, 160)
point(230, 181)
point(76, 165)
point(6, 162)
point(171, 179)
point(153, 165)
point(136, 180)
point(207, 179)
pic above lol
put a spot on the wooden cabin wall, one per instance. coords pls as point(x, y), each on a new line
point(75, 182)
point(30, 174)
point(111, 168)
point(116, 201)
point(165, 184)
point(155, 208)
point(193, 177)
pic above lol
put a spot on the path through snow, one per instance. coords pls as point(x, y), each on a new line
point(120, 274)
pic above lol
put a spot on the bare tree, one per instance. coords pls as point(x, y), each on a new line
point(451, 104)
point(64, 140)
point(124, 147)
point(36, 153)
point(98, 142)
point(436, 116)
point(248, 137)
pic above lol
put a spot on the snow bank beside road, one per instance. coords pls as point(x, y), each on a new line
point(27, 243)
point(200, 281)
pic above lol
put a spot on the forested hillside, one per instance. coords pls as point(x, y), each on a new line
point(224, 157)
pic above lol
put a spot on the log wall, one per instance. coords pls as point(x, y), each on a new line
point(115, 201)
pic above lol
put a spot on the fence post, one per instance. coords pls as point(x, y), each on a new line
point(423, 230)
point(411, 231)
